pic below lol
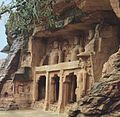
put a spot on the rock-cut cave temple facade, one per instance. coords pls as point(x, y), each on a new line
point(57, 69)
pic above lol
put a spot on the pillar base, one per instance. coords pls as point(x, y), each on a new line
point(46, 106)
point(60, 108)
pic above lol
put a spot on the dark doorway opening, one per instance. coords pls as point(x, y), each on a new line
point(73, 86)
point(70, 86)
point(56, 88)
point(41, 88)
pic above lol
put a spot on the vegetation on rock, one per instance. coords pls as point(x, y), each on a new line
point(26, 14)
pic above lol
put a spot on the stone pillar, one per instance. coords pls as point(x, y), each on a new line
point(35, 93)
point(14, 88)
point(60, 101)
point(66, 85)
point(52, 90)
point(47, 92)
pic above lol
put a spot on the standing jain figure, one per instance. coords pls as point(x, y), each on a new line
point(55, 55)
point(66, 51)
point(77, 49)
point(95, 40)
point(83, 81)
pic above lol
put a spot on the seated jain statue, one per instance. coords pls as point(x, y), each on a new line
point(76, 49)
point(83, 81)
point(55, 56)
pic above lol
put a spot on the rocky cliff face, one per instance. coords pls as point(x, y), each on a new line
point(11, 63)
point(1, 62)
point(104, 99)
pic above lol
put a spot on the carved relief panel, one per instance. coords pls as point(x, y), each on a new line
point(85, 78)
point(23, 90)
point(62, 50)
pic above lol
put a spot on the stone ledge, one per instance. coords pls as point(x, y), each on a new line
point(58, 67)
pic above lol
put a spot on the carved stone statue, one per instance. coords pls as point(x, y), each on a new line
point(94, 44)
point(98, 37)
point(20, 88)
point(66, 51)
point(55, 55)
point(77, 49)
point(82, 81)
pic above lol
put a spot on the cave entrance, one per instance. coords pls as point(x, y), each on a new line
point(69, 87)
point(41, 88)
point(73, 86)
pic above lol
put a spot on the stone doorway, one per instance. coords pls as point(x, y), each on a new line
point(69, 87)
point(41, 88)
point(55, 89)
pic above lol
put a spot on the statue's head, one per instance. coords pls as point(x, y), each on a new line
point(76, 40)
point(55, 44)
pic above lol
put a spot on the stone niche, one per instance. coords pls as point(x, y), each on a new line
point(54, 50)
point(68, 63)
point(23, 93)
point(23, 87)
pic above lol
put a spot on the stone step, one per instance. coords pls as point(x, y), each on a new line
point(38, 104)
point(70, 106)
point(8, 106)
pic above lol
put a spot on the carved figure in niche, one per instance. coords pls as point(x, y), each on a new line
point(83, 81)
point(20, 89)
point(77, 49)
point(66, 51)
point(98, 37)
point(55, 55)
point(95, 40)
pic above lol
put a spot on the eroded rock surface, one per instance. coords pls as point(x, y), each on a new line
point(104, 99)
